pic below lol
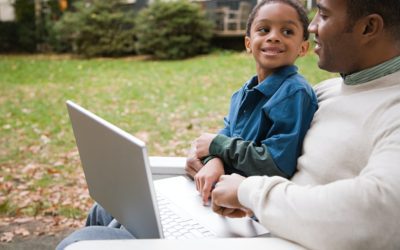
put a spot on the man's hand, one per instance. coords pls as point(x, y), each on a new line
point(193, 164)
point(207, 177)
point(225, 197)
point(202, 144)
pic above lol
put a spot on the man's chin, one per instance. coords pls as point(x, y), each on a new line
point(322, 63)
point(326, 67)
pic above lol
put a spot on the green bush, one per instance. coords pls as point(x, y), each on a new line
point(97, 28)
point(50, 13)
point(26, 28)
point(8, 37)
point(173, 30)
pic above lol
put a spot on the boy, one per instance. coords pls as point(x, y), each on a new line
point(270, 114)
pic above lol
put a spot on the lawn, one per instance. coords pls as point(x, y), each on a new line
point(165, 103)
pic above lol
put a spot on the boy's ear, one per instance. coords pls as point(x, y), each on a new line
point(304, 48)
point(247, 44)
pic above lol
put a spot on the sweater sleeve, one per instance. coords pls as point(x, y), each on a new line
point(354, 213)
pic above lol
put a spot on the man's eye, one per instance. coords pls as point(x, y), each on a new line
point(322, 15)
point(263, 30)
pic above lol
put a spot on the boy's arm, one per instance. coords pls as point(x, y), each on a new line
point(277, 154)
point(245, 156)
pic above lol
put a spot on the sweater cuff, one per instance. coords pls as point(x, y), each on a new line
point(255, 189)
point(218, 144)
point(246, 189)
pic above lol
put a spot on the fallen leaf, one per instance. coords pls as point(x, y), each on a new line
point(6, 126)
point(23, 220)
point(4, 224)
point(29, 169)
point(7, 237)
point(22, 231)
point(44, 139)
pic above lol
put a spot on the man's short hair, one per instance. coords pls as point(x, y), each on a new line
point(389, 10)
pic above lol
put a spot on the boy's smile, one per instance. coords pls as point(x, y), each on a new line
point(271, 50)
point(276, 38)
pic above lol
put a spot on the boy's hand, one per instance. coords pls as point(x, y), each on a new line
point(193, 164)
point(207, 177)
point(202, 144)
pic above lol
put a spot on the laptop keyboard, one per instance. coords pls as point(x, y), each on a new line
point(176, 226)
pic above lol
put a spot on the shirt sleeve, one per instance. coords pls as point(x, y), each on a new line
point(355, 213)
point(277, 154)
point(244, 156)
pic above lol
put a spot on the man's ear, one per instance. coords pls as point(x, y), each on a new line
point(247, 44)
point(372, 26)
point(304, 48)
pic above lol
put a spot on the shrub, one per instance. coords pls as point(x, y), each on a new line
point(26, 28)
point(97, 28)
point(173, 30)
point(8, 37)
point(50, 13)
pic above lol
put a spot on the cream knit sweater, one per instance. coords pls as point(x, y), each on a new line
point(346, 193)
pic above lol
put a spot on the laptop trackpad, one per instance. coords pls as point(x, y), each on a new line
point(182, 192)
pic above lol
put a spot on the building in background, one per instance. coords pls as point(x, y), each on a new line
point(229, 16)
point(7, 12)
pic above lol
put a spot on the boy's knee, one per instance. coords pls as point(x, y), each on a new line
point(94, 233)
point(98, 216)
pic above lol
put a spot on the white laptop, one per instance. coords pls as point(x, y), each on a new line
point(118, 175)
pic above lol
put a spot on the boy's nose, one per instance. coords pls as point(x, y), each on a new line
point(273, 36)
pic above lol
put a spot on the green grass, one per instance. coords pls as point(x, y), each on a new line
point(166, 103)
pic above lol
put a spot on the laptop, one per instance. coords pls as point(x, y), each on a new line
point(118, 175)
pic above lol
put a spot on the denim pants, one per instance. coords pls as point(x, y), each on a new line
point(100, 225)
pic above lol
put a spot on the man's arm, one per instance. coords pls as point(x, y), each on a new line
point(356, 213)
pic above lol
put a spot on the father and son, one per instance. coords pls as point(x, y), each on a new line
point(321, 169)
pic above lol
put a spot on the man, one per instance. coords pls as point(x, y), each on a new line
point(346, 193)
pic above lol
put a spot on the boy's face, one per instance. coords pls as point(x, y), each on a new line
point(276, 38)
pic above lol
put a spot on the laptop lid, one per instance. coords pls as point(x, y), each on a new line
point(118, 175)
point(117, 172)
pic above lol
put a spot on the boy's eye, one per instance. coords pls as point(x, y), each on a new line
point(263, 30)
point(287, 32)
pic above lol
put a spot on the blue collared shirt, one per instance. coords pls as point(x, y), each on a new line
point(266, 125)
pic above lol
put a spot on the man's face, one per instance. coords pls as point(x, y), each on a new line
point(336, 44)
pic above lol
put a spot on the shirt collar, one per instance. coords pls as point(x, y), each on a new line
point(272, 83)
point(378, 71)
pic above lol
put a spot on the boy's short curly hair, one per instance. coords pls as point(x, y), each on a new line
point(301, 11)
